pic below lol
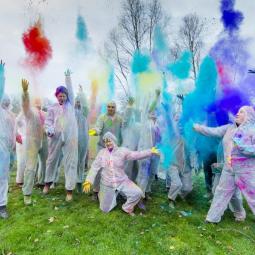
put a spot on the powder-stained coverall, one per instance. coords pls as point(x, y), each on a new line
point(21, 148)
point(236, 200)
point(130, 139)
point(113, 177)
point(61, 122)
point(104, 124)
point(239, 161)
point(7, 144)
point(180, 171)
point(34, 119)
point(82, 123)
point(149, 137)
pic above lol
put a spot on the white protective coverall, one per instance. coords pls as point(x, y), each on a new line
point(130, 139)
point(238, 171)
point(113, 177)
point(62, 124)
point(7, 144)
point(81, 115)
point(34, 122)
point(21, 148)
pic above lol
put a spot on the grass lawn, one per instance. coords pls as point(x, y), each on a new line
point(52, 226)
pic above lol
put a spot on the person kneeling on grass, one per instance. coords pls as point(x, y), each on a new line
point(114, 180)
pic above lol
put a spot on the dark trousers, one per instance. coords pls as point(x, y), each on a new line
point(212, 158)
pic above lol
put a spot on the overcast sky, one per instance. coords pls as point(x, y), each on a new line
point(59, 20)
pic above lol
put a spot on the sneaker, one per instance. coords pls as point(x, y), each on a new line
point(3, 213)
point(46, 189)
point(94, 196)
point(53, 186)
point(238, 219)
point(69, 197)
point(27, 200)
point(132, 214)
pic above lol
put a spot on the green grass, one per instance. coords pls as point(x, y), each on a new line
point(81, 228)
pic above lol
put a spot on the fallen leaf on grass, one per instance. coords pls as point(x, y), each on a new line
point(51, 219)
point(171, 247)
point(36, 240)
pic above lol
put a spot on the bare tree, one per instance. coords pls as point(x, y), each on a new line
point(133, 33)
point(191, 38)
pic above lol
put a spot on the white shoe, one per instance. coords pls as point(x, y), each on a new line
point(69, 197)
point(27, 200)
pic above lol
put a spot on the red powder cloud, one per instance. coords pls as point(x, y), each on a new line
point(37, 47)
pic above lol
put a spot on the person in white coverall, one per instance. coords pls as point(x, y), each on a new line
point(7, 144)
point(21, 148)
point(62, 131)
point(239, 161)
point(34, 119)
point(108, 122)
point(81, 114)
point(149, 136)
point(130, 137)
point(114, 180)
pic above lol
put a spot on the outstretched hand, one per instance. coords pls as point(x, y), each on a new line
point(68, 72)
point(155, 151)
point(92, 132)
point(87, 187)
point(131, 101)
point(24, 84)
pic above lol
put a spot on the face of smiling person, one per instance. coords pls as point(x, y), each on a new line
point(240, 116)
point(108, 144)
point(61, 98)
point(111, 109)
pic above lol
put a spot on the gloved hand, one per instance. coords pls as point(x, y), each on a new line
point(131, 101)
point(87, 186)
point(92, 132)
point(24, 84)
point(155, 151)
point(196, 127)
point(68, 72)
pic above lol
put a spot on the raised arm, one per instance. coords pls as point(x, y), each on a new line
point(128, 112)
point(211, 131)
point(69, 86)
point(155, 101)
point(83, 100)
point(2, 79)
point(25, 98)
